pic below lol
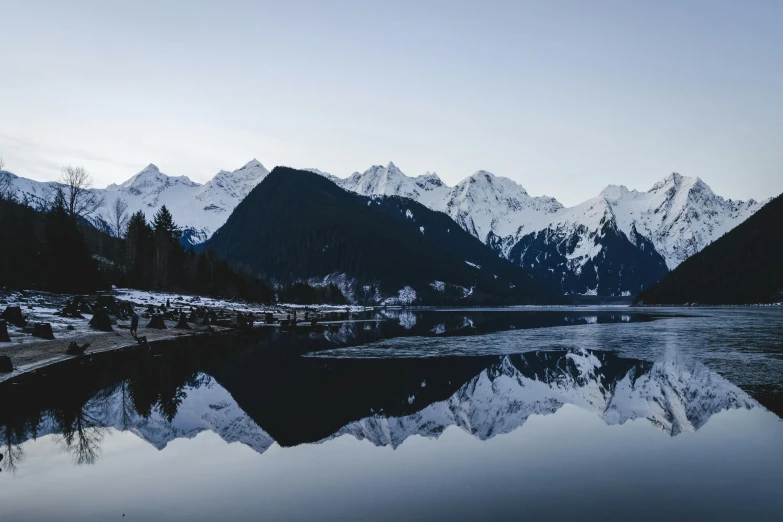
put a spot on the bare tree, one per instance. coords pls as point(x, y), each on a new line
point(118, 216)
point(6, 182)
point(79, 199)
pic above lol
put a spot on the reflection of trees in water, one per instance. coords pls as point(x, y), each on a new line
point(80, 408)
point(81, 436)
point(12, 453)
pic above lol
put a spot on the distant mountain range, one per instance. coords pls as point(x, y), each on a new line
point(742, 267)
point(614, 244)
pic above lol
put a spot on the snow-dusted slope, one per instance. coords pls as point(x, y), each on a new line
point(202, 208)
point(681, 215)
point(482, 203)
point(673, 397)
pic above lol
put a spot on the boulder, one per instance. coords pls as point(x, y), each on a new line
point(13, 314)
point(43, 331)
point(4, 332)
point(157, 322)
point(6, 366)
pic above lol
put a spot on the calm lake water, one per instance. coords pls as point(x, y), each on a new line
point(508, 414)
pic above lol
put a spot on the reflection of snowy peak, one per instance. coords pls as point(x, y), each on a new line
point(501, 398)
point(204, 406)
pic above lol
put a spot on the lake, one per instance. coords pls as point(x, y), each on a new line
point(494, 414)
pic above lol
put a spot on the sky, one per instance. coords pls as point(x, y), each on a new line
point(564, 97)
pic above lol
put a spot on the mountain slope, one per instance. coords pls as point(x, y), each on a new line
point(299, 225)
point(742, 267)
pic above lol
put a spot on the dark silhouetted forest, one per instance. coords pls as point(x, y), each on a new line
point(49, 249)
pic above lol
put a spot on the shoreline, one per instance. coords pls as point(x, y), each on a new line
point(32, 357)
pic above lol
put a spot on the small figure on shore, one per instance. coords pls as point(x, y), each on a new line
point(134, 324)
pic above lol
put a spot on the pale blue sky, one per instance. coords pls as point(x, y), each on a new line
point(564, 97)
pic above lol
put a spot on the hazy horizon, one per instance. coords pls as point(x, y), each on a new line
point(562, 97)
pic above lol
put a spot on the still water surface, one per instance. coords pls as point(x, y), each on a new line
point(539, 414)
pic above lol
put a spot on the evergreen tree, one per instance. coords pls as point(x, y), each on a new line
point(138, 248)
point(69, 266)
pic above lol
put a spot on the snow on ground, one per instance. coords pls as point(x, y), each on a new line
point(157, 298)
point(40, 307)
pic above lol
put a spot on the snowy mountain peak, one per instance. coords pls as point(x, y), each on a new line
point(253, 163)
point(616, 192)
point(677, 182)
point(152, 181)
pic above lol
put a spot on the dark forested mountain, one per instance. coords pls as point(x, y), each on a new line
point(744, 266)
point(297, 225)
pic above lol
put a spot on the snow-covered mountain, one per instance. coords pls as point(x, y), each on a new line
point(615, 243)
point(612, 244)
point(673, 397)
point(199, 208)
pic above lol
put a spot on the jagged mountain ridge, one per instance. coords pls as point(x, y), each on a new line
point(655, 230)
point(199, 208)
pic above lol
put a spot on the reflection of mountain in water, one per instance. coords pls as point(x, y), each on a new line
point(256, 401)
point(204, 406)
point(502, 397)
